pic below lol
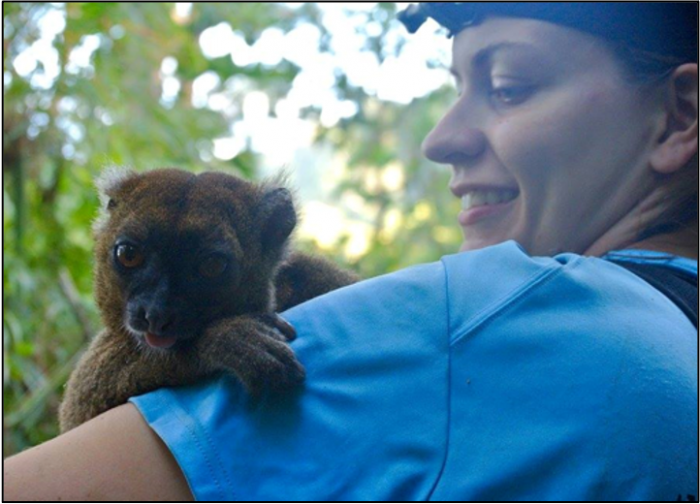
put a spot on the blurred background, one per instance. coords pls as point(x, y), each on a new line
point(338, 95)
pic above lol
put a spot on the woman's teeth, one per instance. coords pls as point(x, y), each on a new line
point(481, 198)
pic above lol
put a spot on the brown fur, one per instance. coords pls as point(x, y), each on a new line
point(222, 325)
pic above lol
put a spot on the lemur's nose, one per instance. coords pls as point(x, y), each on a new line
point(159, 321)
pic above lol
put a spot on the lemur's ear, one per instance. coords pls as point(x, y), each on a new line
point(278, 217)
point(108, 184)
point(278, 213)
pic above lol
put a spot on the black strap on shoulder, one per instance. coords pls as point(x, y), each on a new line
point(678, 286)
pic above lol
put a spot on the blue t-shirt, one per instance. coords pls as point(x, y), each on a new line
point(490, 375)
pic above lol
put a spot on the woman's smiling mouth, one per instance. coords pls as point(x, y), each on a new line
point(481, 204)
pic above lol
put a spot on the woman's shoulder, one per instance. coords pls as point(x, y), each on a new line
point(566, 290)
point(500, 286)
point(587, 361)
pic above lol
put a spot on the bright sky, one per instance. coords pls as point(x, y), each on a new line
point(280, 135)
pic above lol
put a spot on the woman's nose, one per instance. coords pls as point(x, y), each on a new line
point(455, 140)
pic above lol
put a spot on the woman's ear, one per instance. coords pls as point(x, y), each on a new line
point(680, 140)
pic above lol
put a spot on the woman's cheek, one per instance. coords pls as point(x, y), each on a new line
point(550, 135)
point(523, 144)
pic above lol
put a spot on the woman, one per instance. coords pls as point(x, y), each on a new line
point(527, 368)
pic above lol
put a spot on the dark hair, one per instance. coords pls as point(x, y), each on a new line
point(680, 190)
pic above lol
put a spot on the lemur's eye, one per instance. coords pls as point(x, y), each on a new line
point(129, 255)
point(212, 266)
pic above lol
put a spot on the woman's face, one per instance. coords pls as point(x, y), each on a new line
point(548, 143)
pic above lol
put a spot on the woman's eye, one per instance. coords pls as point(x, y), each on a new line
point(511, 95)
point(507, 95)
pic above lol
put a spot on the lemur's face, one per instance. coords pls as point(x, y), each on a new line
point(174, 280)
point(182, 250)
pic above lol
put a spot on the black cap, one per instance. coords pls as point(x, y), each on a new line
point(668, 28)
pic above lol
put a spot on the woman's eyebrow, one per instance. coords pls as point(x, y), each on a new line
point(486, 54)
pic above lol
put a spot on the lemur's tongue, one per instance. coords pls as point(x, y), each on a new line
point(160, 341)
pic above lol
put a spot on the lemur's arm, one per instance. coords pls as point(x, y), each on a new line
point(115, 367)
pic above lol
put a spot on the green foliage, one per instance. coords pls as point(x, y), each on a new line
point(62, 125)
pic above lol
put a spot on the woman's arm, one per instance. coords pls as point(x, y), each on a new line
point(114, 457)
